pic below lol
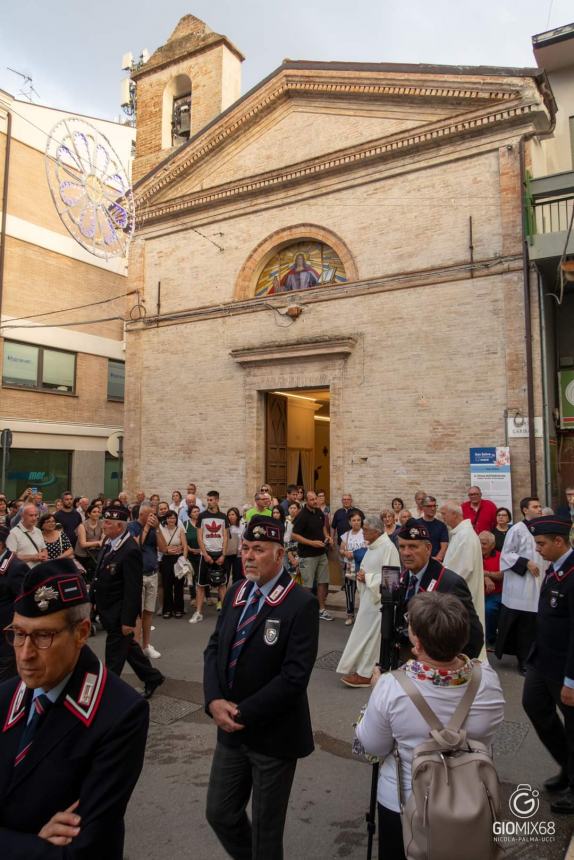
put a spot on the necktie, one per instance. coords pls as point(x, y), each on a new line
point(40, 707)
point(242, 632)
point(412, 587)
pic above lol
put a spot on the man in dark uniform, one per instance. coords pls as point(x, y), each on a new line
point(423, 573)
point(12, 573)
point(73, 735)
point(257, 667)
point(549, 682)
point(117, 583)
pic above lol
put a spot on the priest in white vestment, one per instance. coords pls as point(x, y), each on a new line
point(464, 553)
point(363, 647)
point(523, 570)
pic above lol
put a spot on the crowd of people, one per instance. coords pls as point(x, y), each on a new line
point(472, 581)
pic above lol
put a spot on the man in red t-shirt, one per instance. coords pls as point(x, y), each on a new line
point(481, 512)
point(492, 584)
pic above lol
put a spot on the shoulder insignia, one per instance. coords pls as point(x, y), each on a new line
point(16, 710)
point(7, 562)
point(240, 598)
point(85, 707)
point(279, 594)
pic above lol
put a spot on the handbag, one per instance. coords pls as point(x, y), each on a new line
point(216, 573)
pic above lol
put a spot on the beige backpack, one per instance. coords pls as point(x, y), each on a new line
point(455, 789)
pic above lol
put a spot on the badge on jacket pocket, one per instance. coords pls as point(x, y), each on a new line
point(271, 632)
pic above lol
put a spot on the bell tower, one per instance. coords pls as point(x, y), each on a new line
point(183, 86)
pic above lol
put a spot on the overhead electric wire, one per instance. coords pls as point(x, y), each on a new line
point(75, 308)
point(62, 325)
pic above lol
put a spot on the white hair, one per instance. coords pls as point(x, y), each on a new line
point(373, 521)
point(453, 507)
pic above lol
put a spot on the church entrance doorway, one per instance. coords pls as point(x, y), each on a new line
point(298, 439)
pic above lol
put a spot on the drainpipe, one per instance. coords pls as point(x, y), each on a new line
point(545, 423)
point(527, 329)
point(4, 204)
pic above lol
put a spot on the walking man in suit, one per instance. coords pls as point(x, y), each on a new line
point(549, 683)
point(257, 666)
point(117, 584)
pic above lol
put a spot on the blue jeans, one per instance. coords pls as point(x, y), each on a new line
point(491, 612)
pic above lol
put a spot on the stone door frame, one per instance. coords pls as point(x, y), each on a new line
point(306, 364)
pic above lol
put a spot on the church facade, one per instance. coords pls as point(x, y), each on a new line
point(333, 275)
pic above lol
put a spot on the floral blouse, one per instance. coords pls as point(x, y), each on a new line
point(420, 671)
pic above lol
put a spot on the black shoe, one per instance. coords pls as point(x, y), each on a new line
point(564, 804)
point(152, 686)
point(556, 783)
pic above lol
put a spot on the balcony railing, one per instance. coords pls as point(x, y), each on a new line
point(552, 215)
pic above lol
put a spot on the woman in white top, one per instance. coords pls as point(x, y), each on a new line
point(350, 541)
point(178, 503)
point(438, 629)
point(172, 543)
point(233, 562)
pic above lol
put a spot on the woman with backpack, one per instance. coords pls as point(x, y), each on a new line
point(441, 675)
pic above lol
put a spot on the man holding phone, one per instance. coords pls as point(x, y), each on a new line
point(311, 531)
point(144, 531)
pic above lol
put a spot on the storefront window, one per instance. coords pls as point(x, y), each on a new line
point(48, 471)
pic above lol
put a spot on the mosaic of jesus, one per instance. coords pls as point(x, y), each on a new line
point(299, 267)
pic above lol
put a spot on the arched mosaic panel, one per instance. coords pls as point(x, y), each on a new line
point(300, 266)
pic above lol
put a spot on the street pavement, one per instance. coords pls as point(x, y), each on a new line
point(166, 816)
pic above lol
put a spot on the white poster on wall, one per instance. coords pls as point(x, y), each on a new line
point(490, 470)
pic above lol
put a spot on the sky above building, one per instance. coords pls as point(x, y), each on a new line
point(72, 49)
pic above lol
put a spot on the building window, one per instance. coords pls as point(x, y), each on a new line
point(47, 471)
point(38, 368)
point(116, 379)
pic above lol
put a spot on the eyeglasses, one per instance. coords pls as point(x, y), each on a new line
point(41, 639)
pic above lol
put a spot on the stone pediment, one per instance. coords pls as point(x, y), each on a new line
point(304, 122)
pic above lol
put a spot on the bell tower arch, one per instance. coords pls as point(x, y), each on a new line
point(183, 86)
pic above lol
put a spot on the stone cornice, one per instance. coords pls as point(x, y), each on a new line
point(286, 84)
point(384, 149)
point(328, 347)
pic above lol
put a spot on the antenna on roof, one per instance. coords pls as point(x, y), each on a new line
point(128, 87)
point(27, 89)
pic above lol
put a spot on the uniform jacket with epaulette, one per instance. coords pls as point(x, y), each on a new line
point(439, 578)
point(273, 671)
point(553, 649)
point(90, 747)
point(118, 583)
